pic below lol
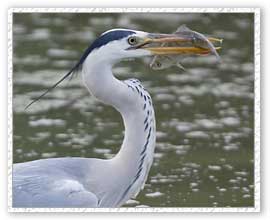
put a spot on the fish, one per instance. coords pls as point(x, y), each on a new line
point(163, 62)
point(160, 62)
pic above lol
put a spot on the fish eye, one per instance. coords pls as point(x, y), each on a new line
point(193, 40)
point(158, 64)
point(132, 40)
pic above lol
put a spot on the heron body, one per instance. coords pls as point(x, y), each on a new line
point(87, 182)
point(83, 182)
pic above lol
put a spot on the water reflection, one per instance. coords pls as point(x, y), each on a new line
point(204, 152)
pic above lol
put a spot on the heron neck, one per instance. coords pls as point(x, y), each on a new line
point(130, 166)
point(102, 84)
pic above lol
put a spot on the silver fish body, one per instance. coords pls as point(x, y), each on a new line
point(196, 39)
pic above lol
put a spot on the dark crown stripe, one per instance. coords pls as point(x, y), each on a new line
point(103, 40)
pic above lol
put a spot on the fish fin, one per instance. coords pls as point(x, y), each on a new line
point(182, 28)
point(179, 65)
point(152, 62)
point(218, 58)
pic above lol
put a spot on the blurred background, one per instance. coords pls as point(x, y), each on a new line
point(205, 121)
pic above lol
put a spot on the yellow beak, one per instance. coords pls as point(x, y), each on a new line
point(180, 50)
point(156, 44)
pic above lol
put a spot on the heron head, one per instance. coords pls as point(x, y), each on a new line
point(117, 44)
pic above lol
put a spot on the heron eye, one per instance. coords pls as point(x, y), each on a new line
point(132, 40)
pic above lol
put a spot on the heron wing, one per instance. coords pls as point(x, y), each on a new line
point(45, 184)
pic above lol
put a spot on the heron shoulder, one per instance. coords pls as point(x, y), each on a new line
point(55, 167)
point(53, 182)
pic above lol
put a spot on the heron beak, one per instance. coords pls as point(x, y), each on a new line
point(156, 44)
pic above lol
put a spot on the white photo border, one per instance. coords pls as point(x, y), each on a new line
point(257, 108)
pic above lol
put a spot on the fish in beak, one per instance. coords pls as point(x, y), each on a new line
point(169, 49)
point(183, 41)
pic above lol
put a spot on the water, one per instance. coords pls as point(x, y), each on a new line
point(204, 153)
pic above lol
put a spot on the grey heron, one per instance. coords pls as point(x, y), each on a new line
point(91, 182)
